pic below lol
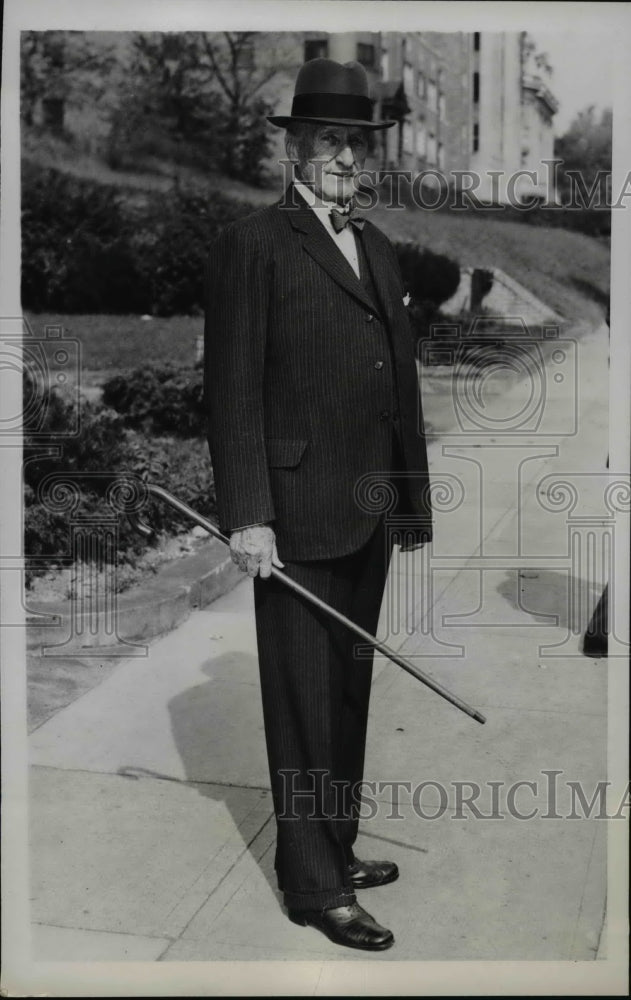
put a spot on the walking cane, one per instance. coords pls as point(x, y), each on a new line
point(161, 494)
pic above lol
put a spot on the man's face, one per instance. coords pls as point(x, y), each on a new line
point(337, 155)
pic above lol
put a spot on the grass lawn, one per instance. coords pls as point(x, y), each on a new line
point(567, 270)
point(111, 343)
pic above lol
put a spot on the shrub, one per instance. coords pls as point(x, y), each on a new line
point(159, 400)
point(184, 228)
point(182, 468)
point(76, 255)
point(430, 279)
point(90, 440)
point(91, 248)
point(104, 445)
point(427, 276)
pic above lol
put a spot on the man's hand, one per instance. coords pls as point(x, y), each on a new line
point(254, 550)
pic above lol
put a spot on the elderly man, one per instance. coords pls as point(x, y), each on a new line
point(311, 384)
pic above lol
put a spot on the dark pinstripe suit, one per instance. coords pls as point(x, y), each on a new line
point(310, 383)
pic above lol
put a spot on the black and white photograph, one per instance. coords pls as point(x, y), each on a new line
point(315, 551)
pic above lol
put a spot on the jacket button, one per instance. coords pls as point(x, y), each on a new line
point(369, 318)
point(384, 415)
point(378, 365)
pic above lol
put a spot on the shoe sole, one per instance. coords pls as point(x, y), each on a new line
point(297, 919)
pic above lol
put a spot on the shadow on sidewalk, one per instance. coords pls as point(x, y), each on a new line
point(566, 601)
point(203, 728)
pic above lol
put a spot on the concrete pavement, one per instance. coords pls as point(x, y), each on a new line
point(151, 821)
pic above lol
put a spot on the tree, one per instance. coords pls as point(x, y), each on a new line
point(585, 149)
point(243, 63)
point(62, 69)
point(198, 97)
point(164, 105)
point(172, 83)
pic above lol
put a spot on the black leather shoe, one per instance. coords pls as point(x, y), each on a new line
point(346, 925)
point(366, 874)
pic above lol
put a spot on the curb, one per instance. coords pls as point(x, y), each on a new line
point(143, 612)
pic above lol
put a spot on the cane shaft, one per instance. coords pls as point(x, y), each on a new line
point(381, 647)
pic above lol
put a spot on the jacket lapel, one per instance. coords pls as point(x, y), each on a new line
point(321, 247)
point(380, 269)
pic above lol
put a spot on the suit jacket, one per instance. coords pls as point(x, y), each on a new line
point(307, 381)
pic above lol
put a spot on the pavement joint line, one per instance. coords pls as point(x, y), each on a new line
point(580, 905)
point(103, 930)
point(226, 873)
point(152, 777)
point(391, 840)
point(602, 933)
point(246, 850)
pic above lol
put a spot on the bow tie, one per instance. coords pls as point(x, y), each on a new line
point(341, 219)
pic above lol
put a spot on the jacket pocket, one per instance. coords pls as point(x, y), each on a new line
point(284, 453)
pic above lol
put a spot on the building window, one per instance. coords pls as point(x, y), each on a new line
point(385, 66)
point(421, 140)
point(476, 137)
point(441, 156)
point(432, 94)
point(476, 41)
point(442, 106)
point(431, 148)
point(420, 85)
point(476, 87)
point(316, 48)
point(366, 55)
point(408, 79)
point(408, 138)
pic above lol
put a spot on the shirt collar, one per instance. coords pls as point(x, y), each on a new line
point(317, 204)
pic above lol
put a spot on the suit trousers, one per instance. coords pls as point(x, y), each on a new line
point(315, 693)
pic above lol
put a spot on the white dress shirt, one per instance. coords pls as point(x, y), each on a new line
point(345, 239)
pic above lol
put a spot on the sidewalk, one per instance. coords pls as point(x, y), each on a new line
point(151, 820)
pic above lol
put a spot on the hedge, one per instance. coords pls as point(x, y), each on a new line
point(94, 248)
point(159, 400)
point(104, 444)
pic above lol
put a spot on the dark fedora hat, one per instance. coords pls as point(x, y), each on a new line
point(328, 92)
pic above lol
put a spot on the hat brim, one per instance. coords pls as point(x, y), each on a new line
point(282, 121)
